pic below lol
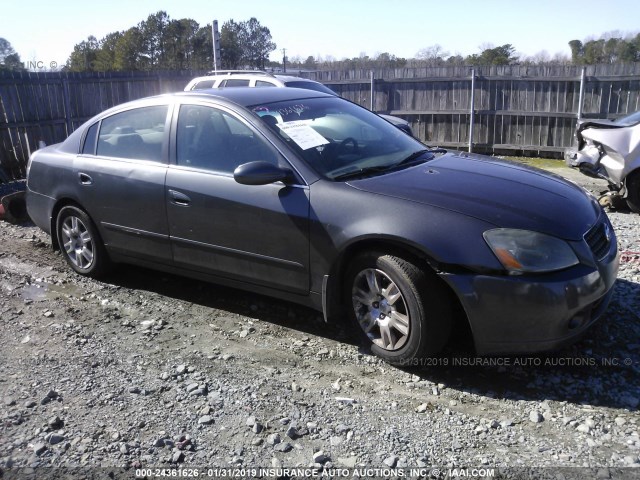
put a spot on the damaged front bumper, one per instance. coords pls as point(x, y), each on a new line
point(587, 161)
point(606, 150)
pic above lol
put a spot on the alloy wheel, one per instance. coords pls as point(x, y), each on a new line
point(380, 309)
point(77, 242)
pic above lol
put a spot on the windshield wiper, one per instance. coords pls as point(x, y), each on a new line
point(360, 172)
point(415, 156)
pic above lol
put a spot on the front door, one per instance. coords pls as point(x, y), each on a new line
point(255, 234)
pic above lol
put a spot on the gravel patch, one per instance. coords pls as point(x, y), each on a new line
point(151, 370)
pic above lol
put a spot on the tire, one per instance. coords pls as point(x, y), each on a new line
point(80, 242)
point(633, 191)
point(401, 311)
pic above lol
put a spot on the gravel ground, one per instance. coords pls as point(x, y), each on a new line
point(147, 370)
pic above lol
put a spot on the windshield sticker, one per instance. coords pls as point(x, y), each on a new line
point(301, 133)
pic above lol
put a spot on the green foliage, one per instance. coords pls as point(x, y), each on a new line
point(84, 55)
point(256, 44)
point(230, 46)
point(161, 43)
point(9, 59)
point(380, 61)
point(106, 55)
point(605, 50)
point(503, 55)
point(127, 51)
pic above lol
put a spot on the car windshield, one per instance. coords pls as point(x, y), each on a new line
point(629, 119)
point(339, 139)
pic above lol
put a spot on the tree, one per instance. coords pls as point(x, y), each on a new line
point(127, 54)
point(180, 37)
point(594, 52)
point(256, 43)
point(628, 51)
point(607, 49)
point(433, 55)
point(577, 50)
point(84, 56)
point(9, 59)
point(106, 55)
point(310, 63)
point(231, 51)
point(386, 60)
point(503, 55)
point(160, 42)
point(202, 48)
point(153, 32)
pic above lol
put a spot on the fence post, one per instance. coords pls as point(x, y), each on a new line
point(472, 110)
point(66, 95)
point(581, 97)
point(371, 97)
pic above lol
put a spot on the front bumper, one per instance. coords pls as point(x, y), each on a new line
point(531, 314)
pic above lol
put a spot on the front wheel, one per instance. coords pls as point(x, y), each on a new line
point(633, 191)
point(400, 310)
point(80, 242)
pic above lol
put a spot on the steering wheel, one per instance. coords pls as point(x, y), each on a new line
point(349, 146)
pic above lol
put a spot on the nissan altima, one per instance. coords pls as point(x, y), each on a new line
point(310, 198)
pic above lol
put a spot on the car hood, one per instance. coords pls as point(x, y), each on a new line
point(506, 194)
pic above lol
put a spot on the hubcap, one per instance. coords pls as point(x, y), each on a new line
point(380, 309)
point(77, 242)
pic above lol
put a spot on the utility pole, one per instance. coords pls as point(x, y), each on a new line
point(215, 36)
point(284, 60)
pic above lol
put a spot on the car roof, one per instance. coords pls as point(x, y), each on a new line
point(293, 78)
point(239, 74)
point(253, 96)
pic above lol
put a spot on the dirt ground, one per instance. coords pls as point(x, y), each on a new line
point(149, 370)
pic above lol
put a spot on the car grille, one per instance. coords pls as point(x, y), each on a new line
point(599, 239)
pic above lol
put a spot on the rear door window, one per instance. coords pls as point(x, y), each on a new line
point(235, 82)
point(134, 134)
point(204, 84)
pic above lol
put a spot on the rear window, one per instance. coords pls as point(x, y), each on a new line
point(204, 84)
point(262, 83)
point(315, 86)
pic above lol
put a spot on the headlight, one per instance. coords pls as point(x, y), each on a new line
point(522, 251)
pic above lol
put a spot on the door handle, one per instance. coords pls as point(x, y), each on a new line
point(178, 198)
point(84, 179)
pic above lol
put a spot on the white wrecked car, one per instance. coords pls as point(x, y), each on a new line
point(610, 149)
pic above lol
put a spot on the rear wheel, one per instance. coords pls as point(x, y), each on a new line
point(400, 310)
point(80, 242)
point(633, 191)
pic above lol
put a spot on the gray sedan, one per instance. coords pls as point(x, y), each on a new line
point(310, 198)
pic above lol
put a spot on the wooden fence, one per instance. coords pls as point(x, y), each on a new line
point(47, 107)
point(516, 109)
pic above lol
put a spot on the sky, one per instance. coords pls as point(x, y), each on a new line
point(46, 32)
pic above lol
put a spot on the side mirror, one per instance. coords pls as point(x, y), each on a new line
point(261, 173)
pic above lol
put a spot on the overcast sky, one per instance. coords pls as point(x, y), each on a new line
point(47, 31)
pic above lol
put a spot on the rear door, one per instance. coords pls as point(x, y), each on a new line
point(121, 174)
point(255, 234)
